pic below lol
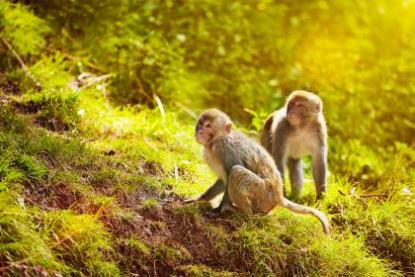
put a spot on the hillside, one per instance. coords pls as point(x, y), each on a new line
point(98, 151)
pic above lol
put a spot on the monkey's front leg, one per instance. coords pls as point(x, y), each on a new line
point(226, 204)
point(296, 176)
point(320, 172)
point(217, 188)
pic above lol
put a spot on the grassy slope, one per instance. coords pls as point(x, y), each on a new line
point(89, 189)
point(104, 199)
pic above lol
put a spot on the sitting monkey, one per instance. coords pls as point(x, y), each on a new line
point(246, 172)
point(296, 130)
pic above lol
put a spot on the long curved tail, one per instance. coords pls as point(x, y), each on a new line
point(301, 209)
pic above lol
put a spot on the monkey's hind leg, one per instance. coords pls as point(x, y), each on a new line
point(243, 186)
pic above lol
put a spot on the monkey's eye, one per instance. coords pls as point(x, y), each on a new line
point(208, 125)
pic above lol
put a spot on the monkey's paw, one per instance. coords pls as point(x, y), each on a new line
point(189, 201)
point(225, 209)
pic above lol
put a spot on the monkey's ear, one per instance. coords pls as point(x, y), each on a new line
point(228, 127)
point(318, 107)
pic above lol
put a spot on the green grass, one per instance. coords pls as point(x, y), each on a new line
point(164, 144)
point(138, 245)
point(372, 236)
point(281, 244)
point(200, 270)
point(81, 242)
point(149, 204)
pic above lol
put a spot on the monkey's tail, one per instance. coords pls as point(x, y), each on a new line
point(301, 209)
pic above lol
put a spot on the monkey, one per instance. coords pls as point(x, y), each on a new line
point(294, 131)
point(246, 173)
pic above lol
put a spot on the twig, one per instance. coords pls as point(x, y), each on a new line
point(86, 63)
point(365, 195)
point(362, 200)
point(191, 113)
point(21, 62)
point(160, 106)
point(342, 193)
point(92, 81)
point(142, 91)
point(374, 195)
point(18, 58)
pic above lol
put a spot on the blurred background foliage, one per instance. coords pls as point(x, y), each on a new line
point(242, 56)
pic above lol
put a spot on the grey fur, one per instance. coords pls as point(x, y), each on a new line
point(288, 145)
point(250, 179)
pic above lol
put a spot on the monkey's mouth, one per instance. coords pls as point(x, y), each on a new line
point(199, 138)
point(203, 138)
point(294, 119)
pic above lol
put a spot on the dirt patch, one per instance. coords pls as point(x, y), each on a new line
point(53, 197)
point(29, 107)
point(52, 124)
point(50, 161)
point(149, 168)
point(174, 237)
point(154, 233)
point(9, 86)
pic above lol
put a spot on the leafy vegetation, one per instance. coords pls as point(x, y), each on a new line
point(97, 106)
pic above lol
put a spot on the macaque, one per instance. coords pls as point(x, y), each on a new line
point(246, 172)
point(296, 130)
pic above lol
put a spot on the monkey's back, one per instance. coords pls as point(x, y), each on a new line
point(238, 149)
point(270, 125)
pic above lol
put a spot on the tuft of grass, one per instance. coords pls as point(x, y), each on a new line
point(220, 238)
point(21, 243)
point(31, 168)
point(169, 255)
point(355, 259)
point(201, 270)
point(150, 204)
point(138, 245)
point(80, 241)
point(187, 210)
point(289, 245)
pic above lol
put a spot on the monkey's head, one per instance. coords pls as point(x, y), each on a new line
point(303, 107)
point(212, 124)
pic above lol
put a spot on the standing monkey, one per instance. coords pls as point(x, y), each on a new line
point(246, 172)
point(296, 130)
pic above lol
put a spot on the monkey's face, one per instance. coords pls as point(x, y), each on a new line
point(295, 111)
point(210, 129)
point(300, 110)
point(204, 131)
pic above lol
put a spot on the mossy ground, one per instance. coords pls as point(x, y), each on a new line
point(104, 198)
